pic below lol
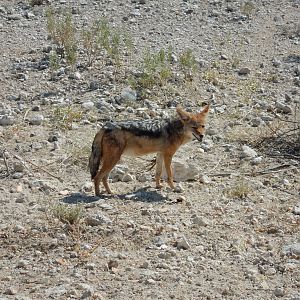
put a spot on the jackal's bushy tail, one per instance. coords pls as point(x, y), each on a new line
point(95, 158)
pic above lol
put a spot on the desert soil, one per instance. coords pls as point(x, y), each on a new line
point(232, 231)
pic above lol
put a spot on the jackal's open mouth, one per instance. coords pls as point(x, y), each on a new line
point(198, 137)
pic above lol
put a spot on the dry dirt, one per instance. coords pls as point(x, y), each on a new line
point(233, 233)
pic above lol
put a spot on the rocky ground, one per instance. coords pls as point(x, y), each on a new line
point(232, 231)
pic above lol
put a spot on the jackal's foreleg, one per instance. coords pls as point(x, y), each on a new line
point(168, 161)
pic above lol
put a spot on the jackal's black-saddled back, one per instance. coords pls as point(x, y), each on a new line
point(149, 128)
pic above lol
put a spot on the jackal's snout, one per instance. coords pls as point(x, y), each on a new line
point(198, 137)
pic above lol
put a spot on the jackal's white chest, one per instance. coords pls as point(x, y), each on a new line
point(187, 137)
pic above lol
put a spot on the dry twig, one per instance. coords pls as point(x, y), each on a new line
point(256, 173)
point(37, 166)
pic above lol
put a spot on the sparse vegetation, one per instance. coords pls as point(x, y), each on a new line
point(246, 89)
point(156, 69)
point(240, 190)
point(211, 76)
point(272, 78)
point(36, 2)
point(188, 64)
point(100, 40)
point(64, 117)
point(90, 45)
point(79, 154)
point(68, 214)
point(281, 138)
point(235, 62)
point(53, 63)
point(62, 31)
point(290, 31)
point(248, 8)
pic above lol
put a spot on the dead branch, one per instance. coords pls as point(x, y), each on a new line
point(283, 120)
point(5, 162)
point(37, 166)
point(261, 172)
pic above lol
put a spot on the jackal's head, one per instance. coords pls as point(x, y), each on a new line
point(195, 123)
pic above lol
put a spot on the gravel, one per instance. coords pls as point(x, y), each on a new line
point(231, 227)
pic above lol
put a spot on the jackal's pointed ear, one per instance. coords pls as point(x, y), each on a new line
point(205, 110)
point(184, 116)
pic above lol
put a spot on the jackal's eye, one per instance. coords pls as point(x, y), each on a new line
point(198, 126)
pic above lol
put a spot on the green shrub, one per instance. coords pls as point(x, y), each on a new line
point(62, 32)
point(64, 117)
point(68, 214)
point(188, 64)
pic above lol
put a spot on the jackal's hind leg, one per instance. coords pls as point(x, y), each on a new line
point(97, 183)
point(158, 172)
point(110, 157)
point(105, 183)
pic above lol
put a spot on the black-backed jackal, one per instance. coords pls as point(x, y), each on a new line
point(137, 138)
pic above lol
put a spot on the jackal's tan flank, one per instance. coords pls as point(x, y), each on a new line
point(137, 138)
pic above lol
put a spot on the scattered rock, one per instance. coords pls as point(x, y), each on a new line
point(257, 160)
point(19, 228)
point(128, 177)
point(182, 170)
point(97, 220)
point(285, 182)
point(87, 187)
point(212, 131)
point(279, 292)
point(248, 152)
point(88, 105)
point(36, 120)
point(75, 75)
point(256, 122)
point(283, 108)
point(244, 71)
point(207, 145)
point(296, 210)
point(118, 173)
point(182, 243)
point(204, 179)
point(292, 249)
point(94, 85)
point(22, 264)
point(17, 175)
point(18, 166)
point(198, 220)
point(11, 291)
point(7, 120)
point(178, 189)
point(128, 94)
point(143, 177)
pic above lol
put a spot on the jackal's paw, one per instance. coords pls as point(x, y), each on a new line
point(103, 193)
point(159, 186)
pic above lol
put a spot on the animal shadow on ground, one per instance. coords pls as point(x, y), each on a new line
point(142, 194)
point(146, 194)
